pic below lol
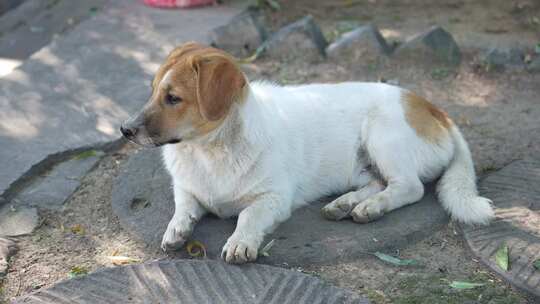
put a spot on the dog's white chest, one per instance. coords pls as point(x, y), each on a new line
point(214, 179)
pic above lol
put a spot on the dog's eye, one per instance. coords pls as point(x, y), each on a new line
point(172, 99)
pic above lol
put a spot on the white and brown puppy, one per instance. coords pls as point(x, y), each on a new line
point(258, 150)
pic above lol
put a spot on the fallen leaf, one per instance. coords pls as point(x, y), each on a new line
point(87, 154)
point(465, 285)
point(122, 260)
point(344, 3)
point(77, 271)
point(536, 264)
point(395, 261)
point(196, 249)
point(115, 252)
point(258, 52)
point(501, 257)
point(266, 248)
point(273, 5)
point(77, 229)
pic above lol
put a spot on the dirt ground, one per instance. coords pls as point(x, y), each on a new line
point(497, 110)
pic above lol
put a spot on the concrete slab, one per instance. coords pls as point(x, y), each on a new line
point(194, 282)
point(18, 221)
point(34, 24)
point(52, 189)
point(6, 5)
point(514, 191)
point(75, 92)
point(143, 201)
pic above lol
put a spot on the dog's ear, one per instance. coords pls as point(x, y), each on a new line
point(219, 83)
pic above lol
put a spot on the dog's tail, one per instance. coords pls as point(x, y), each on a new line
point(457, 186)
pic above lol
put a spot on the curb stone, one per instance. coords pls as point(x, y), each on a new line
point(501, 58)
point(434, 45)
point(300, 39)
point(362, 44)
point(242, 35)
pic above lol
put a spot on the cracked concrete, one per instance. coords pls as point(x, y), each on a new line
point(78, 89)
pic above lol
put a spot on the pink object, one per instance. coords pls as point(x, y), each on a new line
point(178, 3)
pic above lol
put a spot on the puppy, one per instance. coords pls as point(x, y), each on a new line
point(258, 150)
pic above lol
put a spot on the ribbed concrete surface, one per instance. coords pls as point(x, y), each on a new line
point(190, 281)
point(515, 191)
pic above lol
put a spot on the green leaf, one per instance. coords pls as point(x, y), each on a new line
point(87, 154)
point(465, 285)
point(266, 248)
point(255, 55)
point(77, 271)
point(440, 73)
point(273, 5)
point(395, 261)
point(536, 264)
point(501, 257)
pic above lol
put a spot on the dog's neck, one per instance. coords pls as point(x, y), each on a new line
point(242, 128)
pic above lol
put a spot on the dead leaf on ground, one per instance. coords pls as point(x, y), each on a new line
point(77, 229)
point(123, 260)
point(196, 249)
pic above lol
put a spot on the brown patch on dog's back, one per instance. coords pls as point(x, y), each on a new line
point(427, 120)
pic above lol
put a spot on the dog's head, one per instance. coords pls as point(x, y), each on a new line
point(192, 93)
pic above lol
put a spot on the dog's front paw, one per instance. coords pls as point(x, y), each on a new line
point(176, 235)
point(240, 250)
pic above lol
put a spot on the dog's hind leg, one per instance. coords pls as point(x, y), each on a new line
point(342, 206)
point(395, 160)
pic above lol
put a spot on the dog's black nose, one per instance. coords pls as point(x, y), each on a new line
point(129, 133)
